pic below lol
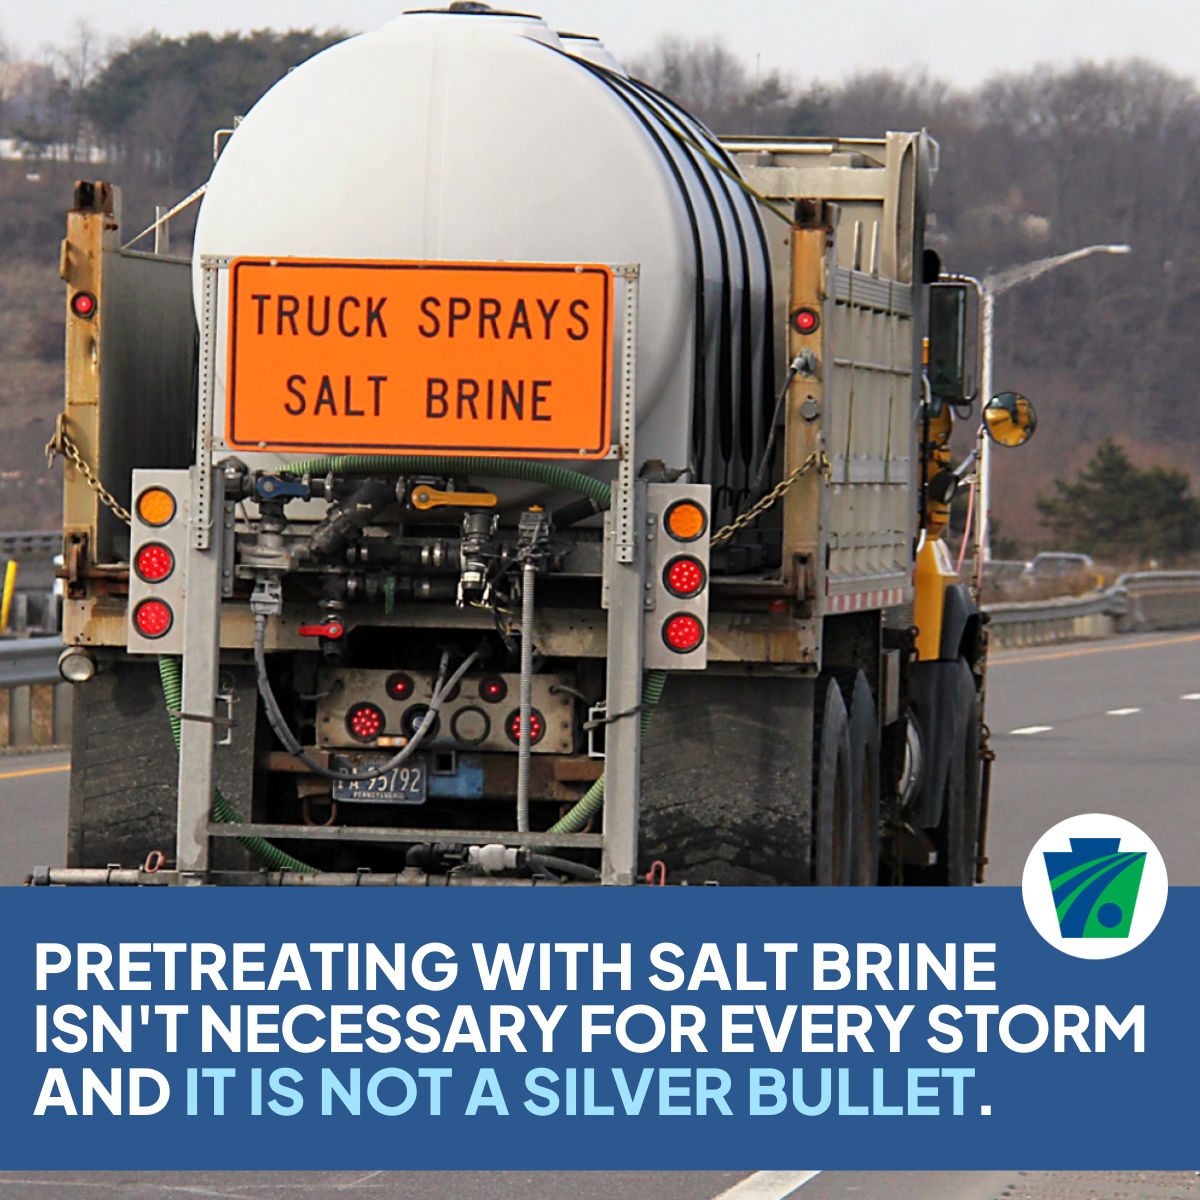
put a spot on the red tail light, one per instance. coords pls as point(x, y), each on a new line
point(399, 686)
point(805, 320)
point(537, 727)
point(154, 562)
point(684, 576)
point(153, 618)
point(364, 722)
point(682, 632)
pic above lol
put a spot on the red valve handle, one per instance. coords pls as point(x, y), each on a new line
point(331, 629)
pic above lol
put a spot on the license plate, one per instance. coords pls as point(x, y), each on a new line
point(405, 784)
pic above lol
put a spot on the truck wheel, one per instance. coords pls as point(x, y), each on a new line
point(123, 760)
point(834, 798)
point(958, 831)
point(726, 780)
point(864, 761)
point(124, 767)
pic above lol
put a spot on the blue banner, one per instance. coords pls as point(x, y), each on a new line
point(477, 1028)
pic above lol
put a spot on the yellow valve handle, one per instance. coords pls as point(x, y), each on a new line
point(423, 496)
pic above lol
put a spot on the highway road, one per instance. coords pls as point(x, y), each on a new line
point(1110, 726)
point(604, 1185)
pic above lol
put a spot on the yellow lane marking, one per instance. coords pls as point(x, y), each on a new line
point(35, 771)
point(1175, 641)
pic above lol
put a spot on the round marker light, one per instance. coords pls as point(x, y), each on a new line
point(154, 562)
point(685, 520)
point(493, 689)
point(83, 304)
point(399, 686)
point(805, 320)
point(156, 506)
point(153, 618)
point(416, 717)
point(470, 725)
point(364, 722)
point(684, 576)
point(76, 664)
point(682, 632)
point(537, 726)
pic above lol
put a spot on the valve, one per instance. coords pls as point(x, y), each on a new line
point(477, 552)
point(425, 497)
point(331, 629)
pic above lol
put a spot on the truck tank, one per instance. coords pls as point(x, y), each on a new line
point(484, 136)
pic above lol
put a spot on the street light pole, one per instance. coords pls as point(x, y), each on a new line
point(992, 286)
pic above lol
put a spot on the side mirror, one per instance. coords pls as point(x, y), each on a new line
point(953, 342)
point(1009, 419)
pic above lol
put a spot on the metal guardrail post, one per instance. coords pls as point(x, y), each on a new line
point(35, 705)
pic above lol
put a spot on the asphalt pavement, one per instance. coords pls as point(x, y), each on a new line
point(33, 813)
point(1110, 727)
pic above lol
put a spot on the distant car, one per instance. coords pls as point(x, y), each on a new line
point(1061, 566)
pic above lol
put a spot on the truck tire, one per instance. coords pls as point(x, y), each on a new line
point(834, 807)
point(726, 780)
point(124, 767)
point(123, 764)
point(864, 763)
point(958, 832)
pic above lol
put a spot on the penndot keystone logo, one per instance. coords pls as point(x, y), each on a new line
point(1094, 886)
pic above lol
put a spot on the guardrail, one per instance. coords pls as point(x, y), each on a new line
point(36, 544)
point(35, 705)
point(1141, 600)
point(1064, 619)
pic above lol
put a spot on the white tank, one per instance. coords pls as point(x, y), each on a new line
point(465, 135)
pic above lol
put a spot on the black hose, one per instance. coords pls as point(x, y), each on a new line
point(565, 866)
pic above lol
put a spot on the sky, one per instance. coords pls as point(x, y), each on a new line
point(961, 41)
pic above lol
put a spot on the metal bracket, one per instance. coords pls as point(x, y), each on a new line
point(202, 516)
point(223, 721)
point(623, 501)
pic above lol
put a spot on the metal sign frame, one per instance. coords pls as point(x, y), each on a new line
point(625, 572)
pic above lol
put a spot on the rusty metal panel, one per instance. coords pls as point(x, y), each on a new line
point(129, 391)
point(854, 537)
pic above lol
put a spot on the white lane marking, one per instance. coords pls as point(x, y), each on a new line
point(768, 1185)
point(1030, 729)
point(1122, 712)
point(1190, 696)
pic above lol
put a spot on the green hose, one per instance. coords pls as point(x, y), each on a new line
point(222, 810)
point(590, 803)
point(535, 470)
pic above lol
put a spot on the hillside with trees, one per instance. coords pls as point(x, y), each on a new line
point(1032, 165)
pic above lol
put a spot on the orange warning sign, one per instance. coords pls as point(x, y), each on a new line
point(495, 359)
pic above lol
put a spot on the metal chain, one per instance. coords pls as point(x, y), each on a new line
point(62, 443)
point(816, 459)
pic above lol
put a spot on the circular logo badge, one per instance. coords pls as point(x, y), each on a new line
point(1094, 886)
